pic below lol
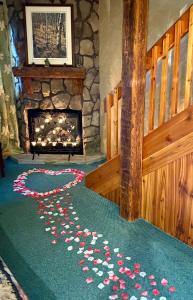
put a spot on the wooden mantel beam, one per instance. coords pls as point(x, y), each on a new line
point(133, 82)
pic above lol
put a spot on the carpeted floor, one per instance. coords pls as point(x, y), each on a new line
point(148, 263)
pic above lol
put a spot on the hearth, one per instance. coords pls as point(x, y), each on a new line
point(55, 131)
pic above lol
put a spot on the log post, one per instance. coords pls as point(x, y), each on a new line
point(133, 79)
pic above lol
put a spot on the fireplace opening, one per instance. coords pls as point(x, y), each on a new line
point(55, 131)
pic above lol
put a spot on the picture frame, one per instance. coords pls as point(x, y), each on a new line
point(49, 34)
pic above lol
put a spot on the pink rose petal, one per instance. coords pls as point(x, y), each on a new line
point(54, 242)
point(153, 283)
point(85, 269)
point(120, 262)
point(89, 280)
point(124, 296)
point(138, 286)
point(155, 292)
point(115, 288)
point(172, 289)
point(106, 281)
point(164, 282)
point(113, 297)
point(144, 293)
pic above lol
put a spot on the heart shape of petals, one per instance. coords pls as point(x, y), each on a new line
point(20, 183)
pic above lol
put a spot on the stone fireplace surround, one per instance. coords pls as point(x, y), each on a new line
point(52, 88)
point(49, 92)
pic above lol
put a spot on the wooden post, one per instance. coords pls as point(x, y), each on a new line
point(133, 80)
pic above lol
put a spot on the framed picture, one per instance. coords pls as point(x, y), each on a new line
point(49, 34)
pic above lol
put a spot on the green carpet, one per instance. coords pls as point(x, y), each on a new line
point(48, 271)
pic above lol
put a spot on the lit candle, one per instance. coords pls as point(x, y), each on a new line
point(33, 143)
point(65, 144)
point(39, 139)
point(43, 144)
point(74, 144)
point(61, 121)
point(54, 144)
point(54, 131)
point(47, 120)
point(42, 126)
point(37, 129)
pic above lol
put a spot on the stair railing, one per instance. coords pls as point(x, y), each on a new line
point(163, 100)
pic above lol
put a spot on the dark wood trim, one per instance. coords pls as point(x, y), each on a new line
point(133, 81)
point(49, 72)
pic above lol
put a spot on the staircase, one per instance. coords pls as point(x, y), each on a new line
point(167, 200)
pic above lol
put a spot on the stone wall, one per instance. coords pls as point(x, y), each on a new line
point(58, 93)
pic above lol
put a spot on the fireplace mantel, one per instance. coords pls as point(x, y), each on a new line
point(49, 72)
point(27, 73)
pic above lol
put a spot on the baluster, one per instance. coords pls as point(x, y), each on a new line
point(176, 64)
point(164, 79)
point(153, 88)
point(189, 69)
point(109, 104)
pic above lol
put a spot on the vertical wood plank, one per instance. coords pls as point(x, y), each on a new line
point(133, 80)
point(189, 68)
point(153, 88)
point(176, 65)
point(115, 121)
point(108, 106)
point(119, 125)
point(164, 79)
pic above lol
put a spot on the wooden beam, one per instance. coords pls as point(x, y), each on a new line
point(189, 67)
point(49, 72)
point(133, 81)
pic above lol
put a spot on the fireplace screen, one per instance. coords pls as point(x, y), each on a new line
point(55, 131)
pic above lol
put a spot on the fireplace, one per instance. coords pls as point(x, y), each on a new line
point(55, 131)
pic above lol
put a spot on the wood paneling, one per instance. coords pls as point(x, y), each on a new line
point(168, 198)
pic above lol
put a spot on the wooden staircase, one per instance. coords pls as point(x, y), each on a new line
point(167, 182)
